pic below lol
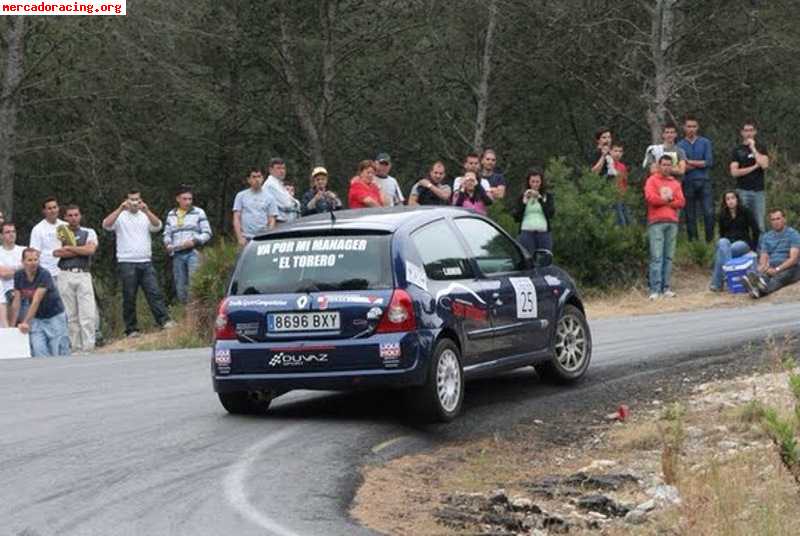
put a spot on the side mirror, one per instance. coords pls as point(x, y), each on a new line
point(542, 258)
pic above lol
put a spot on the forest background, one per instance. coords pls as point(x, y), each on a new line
point(196, 92)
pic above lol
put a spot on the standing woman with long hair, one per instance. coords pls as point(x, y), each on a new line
point(738, 234)
point(472, 195)
point(534, 213)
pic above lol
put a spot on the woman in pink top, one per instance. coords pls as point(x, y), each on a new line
point(472, 195)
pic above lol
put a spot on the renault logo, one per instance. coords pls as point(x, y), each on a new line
point(302, 302)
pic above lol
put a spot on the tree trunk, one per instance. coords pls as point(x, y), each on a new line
point(327, 15)
point(662, 38)
point(8, 110)
point(302, 107)
point(482, 91)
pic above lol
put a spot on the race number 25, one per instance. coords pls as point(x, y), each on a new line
point(527, 304)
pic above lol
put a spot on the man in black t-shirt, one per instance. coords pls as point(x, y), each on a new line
point(600, 159)
point(748, 162)
point(45, 319)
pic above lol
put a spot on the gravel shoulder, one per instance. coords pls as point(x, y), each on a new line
point(540, 475)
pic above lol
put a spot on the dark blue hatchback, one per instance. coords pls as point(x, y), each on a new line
point(421, 299)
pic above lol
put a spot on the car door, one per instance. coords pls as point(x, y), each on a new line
point(460, 300)
point(518, 321)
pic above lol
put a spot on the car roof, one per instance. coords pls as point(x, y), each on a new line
point(387, 220)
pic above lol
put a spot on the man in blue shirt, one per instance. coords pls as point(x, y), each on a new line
point(697, 180)
point(779, 252)
point(44, 319)
point(254, 209)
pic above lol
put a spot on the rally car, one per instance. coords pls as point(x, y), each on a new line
point(420, 299)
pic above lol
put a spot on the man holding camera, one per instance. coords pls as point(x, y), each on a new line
point(319, 199)
point(133, 222)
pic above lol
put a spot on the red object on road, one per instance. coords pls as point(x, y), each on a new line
point(623, 412)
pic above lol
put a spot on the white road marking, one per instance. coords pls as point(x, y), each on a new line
point(235, 491)
point(386, 444)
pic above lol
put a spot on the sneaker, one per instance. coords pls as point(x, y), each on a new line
point(134, 334)
point(750, 285)
point(714, 289)
point(669, 294)
point(654, 296)
point(761, 283)
point(169, 324)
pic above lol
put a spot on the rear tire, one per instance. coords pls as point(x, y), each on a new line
point(246, 402)
point(571, 348)
point(440, 399)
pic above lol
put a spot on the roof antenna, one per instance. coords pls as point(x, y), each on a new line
point(333, 216)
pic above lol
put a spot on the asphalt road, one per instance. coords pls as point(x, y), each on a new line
point(138, 444)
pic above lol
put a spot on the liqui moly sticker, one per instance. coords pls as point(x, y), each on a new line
point(390, 354)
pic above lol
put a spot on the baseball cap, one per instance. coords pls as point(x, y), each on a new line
point(319, 170)
point(383, 157)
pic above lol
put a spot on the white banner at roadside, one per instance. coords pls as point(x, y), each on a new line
point(14, 344)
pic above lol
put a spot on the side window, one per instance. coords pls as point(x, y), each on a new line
point(494, 252)
point(441, 252)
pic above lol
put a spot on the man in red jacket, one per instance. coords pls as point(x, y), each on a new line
point(664, 197)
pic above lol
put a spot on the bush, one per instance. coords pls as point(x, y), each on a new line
point(696, 253)
point(502, 217)
point(210, 283)
point(586, 240)
point(783, 188)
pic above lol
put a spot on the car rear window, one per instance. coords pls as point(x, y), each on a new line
point(316, 263)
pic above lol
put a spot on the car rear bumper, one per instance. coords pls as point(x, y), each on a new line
point(350, 364)
point(326, 381)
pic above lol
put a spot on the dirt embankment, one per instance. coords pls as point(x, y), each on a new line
point(693, 458)
point(691, 285)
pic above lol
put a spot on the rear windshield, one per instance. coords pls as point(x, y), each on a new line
point(312, 264)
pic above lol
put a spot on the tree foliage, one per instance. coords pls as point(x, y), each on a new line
point(195, 92)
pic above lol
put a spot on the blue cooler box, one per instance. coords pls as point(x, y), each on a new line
point(735, 269)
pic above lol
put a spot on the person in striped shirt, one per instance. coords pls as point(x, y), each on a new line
point(186, 230)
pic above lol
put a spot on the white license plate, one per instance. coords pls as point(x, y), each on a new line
point(327, 321)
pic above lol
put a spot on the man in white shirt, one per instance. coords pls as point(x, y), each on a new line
point(288, 207)
point(44, 236)
point(653, 154)
point(472, 162)
point(10, 262)
point(388, 184)
point(133, 222)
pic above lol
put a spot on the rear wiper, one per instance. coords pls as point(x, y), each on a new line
point(307, 288)
point(354, 284)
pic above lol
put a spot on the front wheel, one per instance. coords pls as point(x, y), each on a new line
point(441, 397)
point(246, 402)
point(571, 350)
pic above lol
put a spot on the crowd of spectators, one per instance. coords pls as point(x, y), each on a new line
point(47, 288)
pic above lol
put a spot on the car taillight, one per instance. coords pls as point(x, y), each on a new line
point(399, 316)
point(223, 329)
